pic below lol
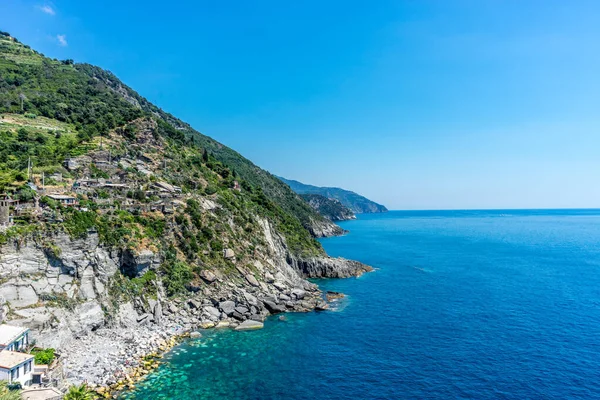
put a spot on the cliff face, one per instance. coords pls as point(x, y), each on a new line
point(69, 293)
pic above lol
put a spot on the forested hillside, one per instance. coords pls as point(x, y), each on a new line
point(355, 202)
point(86, 103)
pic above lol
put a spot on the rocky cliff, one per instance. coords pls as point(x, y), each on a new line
point(68, 292)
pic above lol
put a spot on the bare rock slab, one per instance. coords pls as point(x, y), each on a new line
point(249, 325)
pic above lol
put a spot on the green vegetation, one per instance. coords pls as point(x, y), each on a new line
point(80, 392)
point(7, 393)
point(52, 110)
point(43, 356)
point(124, 288)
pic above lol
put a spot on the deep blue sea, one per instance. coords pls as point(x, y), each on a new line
point(463, 304)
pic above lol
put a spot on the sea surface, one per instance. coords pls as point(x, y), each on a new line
point(463, 304)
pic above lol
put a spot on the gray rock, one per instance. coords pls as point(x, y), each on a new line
point(298, 294)
point(252, 300)
point(274, 308)
point(238, 316)
point(284, 297)
point(241, 309)
point(142, 318)
point(249, 325)
point(151, 305)
point(228, 254)
point(158, 313)
point(137, 263)
point(208, 276)
point(252, 280)
point(227, 307)
point(269, 278)
point(212, 311)
point(306, 304)
point(194, 304)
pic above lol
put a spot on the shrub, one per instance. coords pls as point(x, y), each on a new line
point(177, 274)
point(43, 357)
point(80, 392)
point(8, 393)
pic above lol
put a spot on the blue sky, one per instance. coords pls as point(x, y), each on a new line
point(415, 104)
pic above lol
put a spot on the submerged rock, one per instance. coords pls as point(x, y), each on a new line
point(334, 295)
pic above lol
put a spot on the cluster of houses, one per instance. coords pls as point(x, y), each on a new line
point(159, 196)
point(17, 366)
point(117, 189)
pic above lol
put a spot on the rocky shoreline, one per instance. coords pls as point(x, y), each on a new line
point(108, 356)
point(65, 298)
point(112, 360)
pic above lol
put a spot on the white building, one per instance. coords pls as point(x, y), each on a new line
point(16, 367)
point(13, 338)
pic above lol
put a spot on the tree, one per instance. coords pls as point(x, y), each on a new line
point(81, 392)
point(139, 195)
point(205, 156)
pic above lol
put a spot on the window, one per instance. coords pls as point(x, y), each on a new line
point(14, 374)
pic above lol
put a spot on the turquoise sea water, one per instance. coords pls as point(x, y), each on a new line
point(464, 304)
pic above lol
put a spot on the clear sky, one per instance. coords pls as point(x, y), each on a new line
point(415, 104)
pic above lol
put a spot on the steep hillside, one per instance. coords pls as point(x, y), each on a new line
point(355, 202)
point(125, 227)
point(329, 208)
point(94, 101)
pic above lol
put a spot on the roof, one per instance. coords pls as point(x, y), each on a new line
point(10, 359)
point(165, 185)
point(8, 333)
point(60, 197)
point(41, 394)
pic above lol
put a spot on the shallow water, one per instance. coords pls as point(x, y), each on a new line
point(464, 304)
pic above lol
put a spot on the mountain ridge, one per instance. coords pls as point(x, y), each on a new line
point(354, 201)
point(331, 209)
